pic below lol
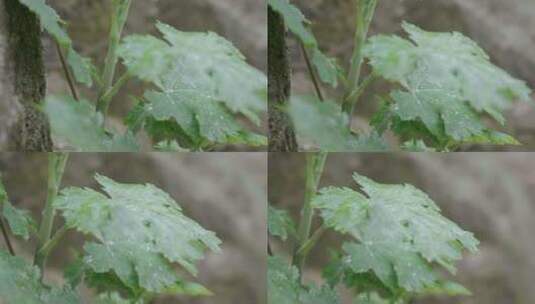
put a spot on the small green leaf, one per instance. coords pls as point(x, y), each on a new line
point(283, 282)
point(327, 68)
point(416, 146)
point(20, 221)
point(140, 232)
point(20, 283)
point(325, 125)
point(323, 295)
point(79, 125)
point(50, 20)
point(280, 223)
point(373, 298)
point(113, 298)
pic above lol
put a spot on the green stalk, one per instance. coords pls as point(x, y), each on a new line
point(119, 16)
point(365, 12)
point(315, 163)
point(56, 167)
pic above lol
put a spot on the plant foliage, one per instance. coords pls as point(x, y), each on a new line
point(138, 239)
point(445, 88)
point(397, 239)
point(204, 88)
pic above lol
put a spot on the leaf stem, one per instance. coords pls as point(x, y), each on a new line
point(67, 72)
point(108, 95)
point(308, 244)
point(118, 22)
point(6, 237)
point(365, 12)
point(47, 247)
point(311, 72)
point(315, 163)
point(56, 167)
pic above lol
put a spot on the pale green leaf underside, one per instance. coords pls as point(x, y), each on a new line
point(202, 63)
point(77, 123)
point(324, 125)
point(280, 223)
point(399, 230)
point(50, 20)
point(20, 283)
point(200, 116)
point(283, 284)
point(140, 233)
point(320, 295)
point(448, 81)
point(327, 68)
point(20, 221)
point(112, 298)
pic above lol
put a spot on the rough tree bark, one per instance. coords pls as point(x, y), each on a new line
point(281, 133)
point(22, 81)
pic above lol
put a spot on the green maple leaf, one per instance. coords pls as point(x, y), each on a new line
point(448, 83)
point(327, 68)
point(203, 66)
point(140, 233)
point(77, 123)
point(20, 283)
point(199, 117)
point(50, 20)
point(280, 223)
point(399, 230)
point(325, 125)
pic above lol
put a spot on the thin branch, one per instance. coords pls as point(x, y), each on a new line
point(108, 96)
point(45, 250)
point(67, 72)
point(307, 246)
point(56, 168)
point(311, 72)
point(118, 21)
point(6, 237)
point(364, 16)
point(315, 162)
point(355, 94)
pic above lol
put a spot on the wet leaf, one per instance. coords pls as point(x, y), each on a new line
point(398, 230)
point(140, 233)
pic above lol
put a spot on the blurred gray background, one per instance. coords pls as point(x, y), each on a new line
point(224, 192)
point(243, 22)
point(490, 194)
point(505, 29)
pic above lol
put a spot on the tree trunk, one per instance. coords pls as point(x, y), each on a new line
point(23, 127)
point(281, 133)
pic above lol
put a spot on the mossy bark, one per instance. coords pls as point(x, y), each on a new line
point(281, 132)
point(23, 60)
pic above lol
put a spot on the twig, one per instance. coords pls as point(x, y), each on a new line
point(6, 237)
point(66, 71)
point(56, 168)
point(315, 163)
point(311, 72)
point(45, 250)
